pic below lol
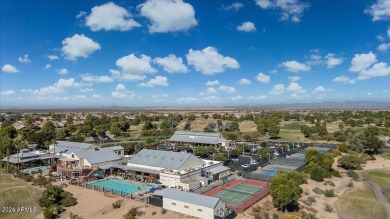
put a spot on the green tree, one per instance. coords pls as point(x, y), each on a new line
point(191, 117)
point(69, 119)
point(220, 157)
point(349, 161)
point(200, 151)
point(341, 126)
point(273, 130)
point(285, 190)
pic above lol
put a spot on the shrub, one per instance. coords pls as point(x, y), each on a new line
point(74, 216)
point(52, 212)
point(331, 183)
point(350, 184)
point(68, 201)
point(116, 204)
point(154, 212)
point(28, 178)
point(308, 216)
point(336, 173)
point(256, 208)
point(63, 185)
point(353, 174)
point(131, 214)
point(318, 190)
point(372, 157)
point(266, 215)
point(336, 153)
point(328, 208)
point(343, 148)
point(257, 215)
point(349, 162)
point(306, 202)
point(311, 199)
point(275, 216)
point(163, 211)
point(40, 181)
point(329, 193)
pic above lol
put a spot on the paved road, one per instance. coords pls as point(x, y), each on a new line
point(377, 189)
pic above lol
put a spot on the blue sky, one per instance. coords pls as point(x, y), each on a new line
point(174, 53)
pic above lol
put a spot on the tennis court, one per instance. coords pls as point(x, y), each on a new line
point(274, 170)
point(238, 193)
point(297, 156)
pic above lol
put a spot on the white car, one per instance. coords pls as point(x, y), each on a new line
point(246, 165)
point(235, 159)
point(253, 162)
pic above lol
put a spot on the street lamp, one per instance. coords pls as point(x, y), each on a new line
point(261, 159)
point(269, 157)
point(282, 150)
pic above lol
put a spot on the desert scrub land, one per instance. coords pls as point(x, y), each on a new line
point(17, 193)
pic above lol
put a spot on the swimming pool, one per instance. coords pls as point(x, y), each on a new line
point(117, 186)
point(41, 169)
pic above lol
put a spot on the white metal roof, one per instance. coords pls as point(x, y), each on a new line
point(188, 197)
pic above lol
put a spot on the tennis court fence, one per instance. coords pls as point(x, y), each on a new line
point(249, 202)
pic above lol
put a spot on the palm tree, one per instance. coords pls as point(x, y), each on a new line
point(20, 144)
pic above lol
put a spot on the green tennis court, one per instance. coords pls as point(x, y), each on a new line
point(237, 194)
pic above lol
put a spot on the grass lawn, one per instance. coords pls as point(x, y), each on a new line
point(383, 180)
point(292, 126)
point(17, 193)
point(385, 153)
point(360, 204)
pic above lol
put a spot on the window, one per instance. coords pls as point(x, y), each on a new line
point(185, 206)
point(200, 210)
point(173, 203)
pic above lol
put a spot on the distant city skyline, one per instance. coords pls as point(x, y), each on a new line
point(183, 53)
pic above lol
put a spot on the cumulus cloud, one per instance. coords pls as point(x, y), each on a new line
point(61, 86)
point(24, 59)
point(290, 9)
point(212, 83)
point(96, 96)
point(261, 97)
point(62, 71)
point(388, 32)
point(7, 92)
point(383, 47)
point(377, 70)
point(295, 88)
point(172, 64)
point(244, 81)
point(187, 99)
point(332, 60)
point(236, 98)
point(9, 68)
point(52, 57)
point(209, 91)
point(168, 15)
point(294, 66)
point(294, 78)
point(344, 79)
point(247, 26)
point(78, 46)
point(134, 68)
point(320, 89)
point(263, 78)
point(277, 89)
point(234, 6)
point(157, 81)
point(96, 79)
point(121, 92)
point(227, 89)
point(379, 11)
point(47, 66)
point(110, 16)
point(209, 62)
point(362, 61)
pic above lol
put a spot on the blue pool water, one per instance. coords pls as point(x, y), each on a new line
point(34, 169)
point(118, 186)
point(274, 170)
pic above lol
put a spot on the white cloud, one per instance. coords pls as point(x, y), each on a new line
point(208, 61)
point(134, 68)
point(261, 97)
point(236, 98)
point(294, 78)
point(315, 58)
point(52, 57)
point(235, 6)
point(320, 89)
point(227, 89)
point(96, 79)
point(209, 91)
point(332, 61)
point(47, 66)
point(96, 96)
point(187, 99)
point(379, 11)
point(380, 69)
point(388, 32)
point(62, 71)
point(294, 66)
point(172, 64)
point(369, 93)
point(383, 47)
point(168, 15)
point(244, 81)
point(87, 89)
point(380, 37)
point(9, 68)
point(61, 86)
point(290, 9)
point(247, 26)
point(212, 83)
point(157, 81)
point(7, 92)
point(277, 89)
point(362, 61)
point(344, 79)
point(295, 88)
point(273, 71)
point(24, 59)
point(121, 92)
point(110, 17)
point(158, 96)
point(263, 78)
point(78, 46)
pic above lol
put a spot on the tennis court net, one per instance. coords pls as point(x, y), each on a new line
point(242, 192)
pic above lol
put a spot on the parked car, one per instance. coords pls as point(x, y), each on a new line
point(228, 162)
point(234, 159)
point(246, 165)
point(253, 162)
